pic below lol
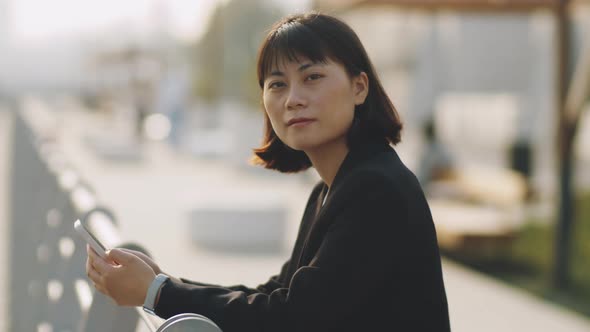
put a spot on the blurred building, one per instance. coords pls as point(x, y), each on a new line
point(67, 64)
point(487, 77)
point(4, 23)
point(4, 36)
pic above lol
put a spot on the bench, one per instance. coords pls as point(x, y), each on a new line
point(478, 210)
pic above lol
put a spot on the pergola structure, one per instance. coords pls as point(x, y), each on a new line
point(457, 5)
point(572, 90)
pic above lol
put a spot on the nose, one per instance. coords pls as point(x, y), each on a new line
point(295, 98)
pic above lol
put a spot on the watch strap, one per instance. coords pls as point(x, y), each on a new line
point(150, 298)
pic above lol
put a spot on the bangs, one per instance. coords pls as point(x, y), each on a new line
point(290, 42)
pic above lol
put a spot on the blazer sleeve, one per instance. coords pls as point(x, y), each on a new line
point(273, 283)
point(352, 264)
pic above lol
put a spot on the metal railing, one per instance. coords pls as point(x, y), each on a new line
point(48, 287)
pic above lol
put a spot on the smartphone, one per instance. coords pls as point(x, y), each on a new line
point(98, 247)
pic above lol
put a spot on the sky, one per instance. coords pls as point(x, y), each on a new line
point(35, 20)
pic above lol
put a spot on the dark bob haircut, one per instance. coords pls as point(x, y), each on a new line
point(320, 37)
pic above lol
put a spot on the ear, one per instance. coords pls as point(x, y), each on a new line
point(360, 85)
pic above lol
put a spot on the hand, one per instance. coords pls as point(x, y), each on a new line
point(123, 276)
point(147, 259)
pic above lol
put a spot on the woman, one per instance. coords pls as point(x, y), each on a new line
point(366, 256)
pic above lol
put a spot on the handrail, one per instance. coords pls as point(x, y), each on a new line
point(49, 289)
point(188, 323)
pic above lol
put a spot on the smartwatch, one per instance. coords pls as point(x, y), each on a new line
point(150, 298)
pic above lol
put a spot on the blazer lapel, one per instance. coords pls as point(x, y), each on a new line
point(338, 196)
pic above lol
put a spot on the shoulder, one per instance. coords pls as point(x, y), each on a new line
point(383, 172)
point(384, 184)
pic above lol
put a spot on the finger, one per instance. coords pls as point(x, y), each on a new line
point(91, 252)
point(94, 254)
point(101, 266)
point(90, 262)
point(95, 277)
point(135, 252)
point(90, 267)
point(121, 256)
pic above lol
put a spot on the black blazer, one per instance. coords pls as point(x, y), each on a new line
point(367, 260)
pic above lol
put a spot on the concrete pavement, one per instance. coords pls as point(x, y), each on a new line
point(153, 198)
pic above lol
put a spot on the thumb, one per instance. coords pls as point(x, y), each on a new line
point(120, 256)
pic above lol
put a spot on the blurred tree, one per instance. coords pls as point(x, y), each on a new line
point(574, 91)
point(224, 59)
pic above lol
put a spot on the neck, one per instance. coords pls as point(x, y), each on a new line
point(327, 159)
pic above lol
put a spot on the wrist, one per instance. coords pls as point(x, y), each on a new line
point(153, 293)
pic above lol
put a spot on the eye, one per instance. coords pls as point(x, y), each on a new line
point(276, 85)
point(313, 77)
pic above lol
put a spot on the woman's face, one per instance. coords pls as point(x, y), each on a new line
point(311, 104)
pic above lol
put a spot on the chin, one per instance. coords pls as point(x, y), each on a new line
point(311, 143)
point(299, 147)
point(302, 145)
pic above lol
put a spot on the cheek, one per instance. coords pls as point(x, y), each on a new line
point(340, 106)
point(273, 114)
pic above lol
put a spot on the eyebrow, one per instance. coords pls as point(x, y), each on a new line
point(300, 69)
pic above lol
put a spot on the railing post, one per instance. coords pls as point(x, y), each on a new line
point(26, 203)
point(49, 289)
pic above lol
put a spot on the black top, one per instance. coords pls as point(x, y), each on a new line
point(367, 260)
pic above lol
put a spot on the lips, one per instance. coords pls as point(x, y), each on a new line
point(299, 120)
